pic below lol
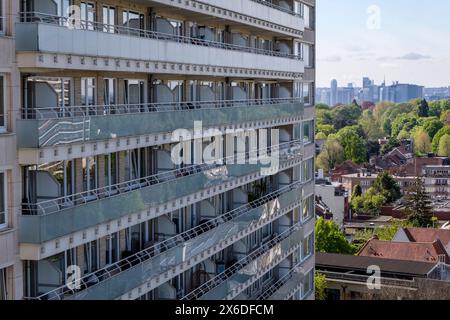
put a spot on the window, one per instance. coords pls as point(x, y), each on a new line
point(90, 176)
point(88, 15)
point(306, 10)
point(2, 104)
point(307, 209)
point(3, 205)
point(307, 247)
point(112, 248)
point(3, 289)
point(308, 283)
point(109, 19)
point(133, 21)
point(48, 93)
point(2, 18)
point(111, 169)
point(91, 256)
point(306, 54)
point(62, 7)
point(110, 93)
point(88, 91)
point(306, 93)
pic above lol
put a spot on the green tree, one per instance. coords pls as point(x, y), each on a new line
point(321, 136)
point(386, 185)
point(403, 135)
point(355, 146)
point(345, 115)
point(444, 146)
point(324, 116)
point(320, 284)
point(331, 155)
point(327, 129)
point(403, 122)
point(437, 138)
point(357, 191)
point(370, 125)
point(389, 146)
point(445, 116)
point(422, 143)
point(330, 239)
point(418, 205)
point(432, 126)
point(423, 109)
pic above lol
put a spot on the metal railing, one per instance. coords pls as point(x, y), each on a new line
point(287, 150)
point(33, 17)
point(110, 271)
point(118, 109)
point(296, 271)
point(229, 272)
point(280, 8)
point(363, 279)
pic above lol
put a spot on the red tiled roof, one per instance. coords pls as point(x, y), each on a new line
point(428, 235)
point(407, 251)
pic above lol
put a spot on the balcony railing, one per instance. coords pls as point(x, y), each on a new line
point(38, 17)
point(286, 151)
point(292, 279)
point(363, 279)
point(280, 8)
point(168, 254)
point(118, 109)
point(233, 275)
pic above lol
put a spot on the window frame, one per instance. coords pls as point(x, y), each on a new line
point(3, 103)
point(5, 199)
point(2, 18)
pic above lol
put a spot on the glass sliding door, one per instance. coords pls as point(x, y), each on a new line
point(2, 18)
point(109, 19)
point(2, 104)
point(133, 22)
point(88, 15)
point(111, 170)
point(90, 173)
point(3, 197)
point(135, 95)
point(88, 94)
point(110, 95)
point(92, 256)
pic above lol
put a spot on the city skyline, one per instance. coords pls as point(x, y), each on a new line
point(383, 39)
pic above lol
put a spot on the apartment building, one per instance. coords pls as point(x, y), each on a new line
point(437, 181)
point(93, 204)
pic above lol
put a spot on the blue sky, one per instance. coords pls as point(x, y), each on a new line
point(404, 40)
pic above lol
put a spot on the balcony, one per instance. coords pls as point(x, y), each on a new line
point(179, 253)
point(56, 35)
point(289, 284)
point(236, 279)
point(52, 126)
point(55, 218)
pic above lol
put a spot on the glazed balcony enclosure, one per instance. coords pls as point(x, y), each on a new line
point(238, 277)
point(201, 242)
point(37, 32)
point(51, 219)
point(43, 127)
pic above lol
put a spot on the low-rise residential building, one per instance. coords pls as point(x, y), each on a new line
point(347, 278)
point(437, 180)
point(431, 252)
point(429, 235)
point(367, 179)
point(335, 197)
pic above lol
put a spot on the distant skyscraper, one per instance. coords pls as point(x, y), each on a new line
point(402, 92)
point(334, 92)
